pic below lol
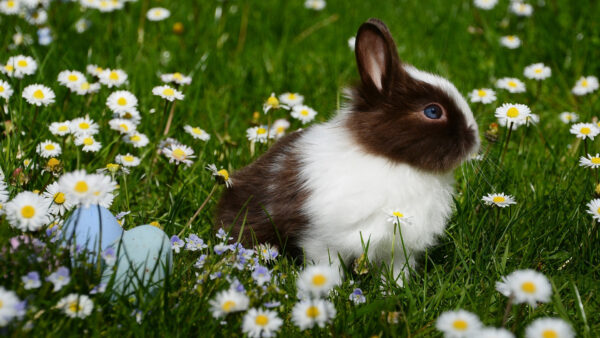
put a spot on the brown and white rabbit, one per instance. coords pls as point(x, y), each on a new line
point(324, 191)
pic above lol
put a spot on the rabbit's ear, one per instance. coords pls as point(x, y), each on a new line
point(376, 56)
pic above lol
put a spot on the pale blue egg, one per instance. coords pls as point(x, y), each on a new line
point(143, 255)
point(92, 227)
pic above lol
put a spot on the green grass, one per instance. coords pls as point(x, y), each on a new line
point(259, 47)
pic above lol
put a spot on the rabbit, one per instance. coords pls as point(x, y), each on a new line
point(322, 192)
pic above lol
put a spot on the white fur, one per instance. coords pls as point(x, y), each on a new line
point(350, 191)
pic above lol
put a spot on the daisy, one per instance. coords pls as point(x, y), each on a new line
point(594, 208)
point(9, 303)
point(102, 190)
point(526, 286)
point(510, 41)
point(303, 113)
point(6, 90)
point(132, 115)
point(57, 199)
point(273, 103)
point(317, 280)
point(76, 306)
point(521, 8)
point(483, 95)
point(77, 187)
point(584, 130)
point(114, 169)
point(138, 140)
point(71, 78)
point(20, 65)
point(127, 160)
point(485, 4)
point(167, 93)
point(307, 314)
point(511, 84)
point(28, 211)
point(229, 301)
point(456, 324)
point(85, 88)
point(82, 126)
point(537, 71)
point(398, 217)
point(585, 85)
point(590, 161)
point(31, 281)
point(88, 142)
point(197, 133)
point(179, 153)
point(177, 78)
point(500, 200)
point(94, 70)
point(158, 14)
point(82, 25)
point(261, 323)
point(121, 101)
point(512, 114)
point(291, 99)
point(316, 5)
point(568, 117)
point(60, 128)
point(122, 126)
point(266, 252)
point(278, 128)
point(257, 134)
point(112, 77)
point(492, 332)
point(221, 176)
point(549, 327)
point(10, 7)
point(48, 149)
point(38, 95)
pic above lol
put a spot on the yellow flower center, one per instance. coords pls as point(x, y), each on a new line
point(72, 78)
point(272, 101)
point(88, 141)
point(59, 198)
point(319, 279)
point(85, 86)
point(549, 334)
point(224, 173)
point(63, 128)
point(261, 320)
point(22, 63)
point(538, 70)
point(304, 112)
point(113, 75)
point(512, 84)
point(280, 130)
point(168, 92)
point(261, 131)
point(53, 162)
point(177, 76)
point(595, 160)
point(584, 83)
point(74, 307)
point(155, 224)
point(49, 147)
point(460, 325)
point(398, 214)
point(585, 130)
point(510, 38)
point(179, 154)
point(99, 69)
point(498, 199)
point(38, 94)
point(528, 287)
point(122, 101)
point(512, 112)
point(135, 138)
point(124, 127)
point(10, 4)
point(197, 131)
point(84, 125)
point(228, 305)
point(27, 211)
point(112, 167)
point(9, 68)
point(1, 89)
point(128, 158)
point(292, 96)
point(81, 187)
point(312, 312)
point(481, 93)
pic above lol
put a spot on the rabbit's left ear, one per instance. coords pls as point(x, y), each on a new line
point(376, 56)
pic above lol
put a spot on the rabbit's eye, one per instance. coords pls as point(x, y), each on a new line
point(433, 111)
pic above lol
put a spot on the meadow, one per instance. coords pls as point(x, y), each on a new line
point(237, 53)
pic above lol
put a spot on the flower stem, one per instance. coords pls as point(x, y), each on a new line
point(170, 119)
point(507, 311)
point(189, 222)
point(510, 127)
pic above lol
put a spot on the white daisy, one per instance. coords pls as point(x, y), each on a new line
point(511, 84)
point(85, 88)
point(273, 103)
point(102, 190)
point(28, 211)
point(76, 186)
point(6, 90)
point(76, 306)
point(510, 41)
point(594, 208)
point(112, 77)
point(179, 153)
point(132, 115)
point(57, 199)
point(48, 149)
point(20, 65)
point(521, 8)
point(10, 7)
point(60, 128)
point(197, 133)
point(316, 5)
point(492, 332)
point(485, 4)
point(307, 314)
point(83, 126)
point(177, 78)
point(122, 126)
point(500, 200)
point(398, 217)
point(549, 328)
point(261, 323)
point(458, 324)
point(121, 101)
point(226, 302)
point(278, 128)
point(158, 14)
point(512, 113)
point(9, 303)
point(568, 117)
point(88, 142)
point(257, 134)
point(38, 95)
point(303, 113)
point(526, 286)
point(128, 160)
point(537, 71)
point(94, 70)
point(590, 161)
point(317, 280)
point(71, 78)
point(221, 176)
point(291, 99)
point(167, 93)
point(483, 95)
point(584, 130)
point(585, 85)
point(138, 140)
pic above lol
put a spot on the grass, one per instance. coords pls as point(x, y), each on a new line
point(259, 47)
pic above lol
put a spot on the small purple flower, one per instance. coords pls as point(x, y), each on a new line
point(177, 243)
point(261, 275)
point(357, 296)
point(270, 305)
point(21, 309)
point(138, 314)
point(221, 248)
point(200, 262)
point(195, 243)
point(122, 214)
point(267, 252)
point(216, 275)
point(59, 278)
point(31, 280)
point(238, 286)
point(109, 256)
point(100, 288)
point(221, 234)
